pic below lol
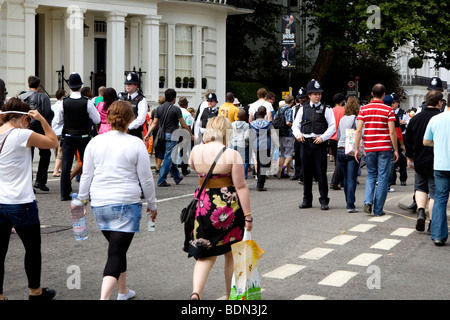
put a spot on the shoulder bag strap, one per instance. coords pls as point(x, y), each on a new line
point(3, 143)
point(210, 172)
point(161, 125)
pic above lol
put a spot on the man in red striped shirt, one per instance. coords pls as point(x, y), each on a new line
point(378, 122)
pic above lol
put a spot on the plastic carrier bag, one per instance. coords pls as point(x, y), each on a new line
point(350, 143)
point(246, 282)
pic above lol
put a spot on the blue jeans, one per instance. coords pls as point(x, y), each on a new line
point(168, 165)
point(349, 168)
point(439, 227)
point(378, 165)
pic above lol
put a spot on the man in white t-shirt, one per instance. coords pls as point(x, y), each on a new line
point(261, 102)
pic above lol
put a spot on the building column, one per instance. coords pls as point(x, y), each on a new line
point(115, 52)
point(29, 39)
point(134, 35)
point(150, 56)
point(75, 41)
point(55, 50)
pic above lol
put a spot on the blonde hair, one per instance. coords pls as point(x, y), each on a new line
point(218, 129)
point(120, 115)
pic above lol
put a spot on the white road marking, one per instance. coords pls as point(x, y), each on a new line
point(364, 259)
point(341, 239)
point(316, 253)
point(309, 297)
point(381, 218)
point(364, 227)
point(385, 244)
point(402, 232)
point(338, 278)
point(284, 271)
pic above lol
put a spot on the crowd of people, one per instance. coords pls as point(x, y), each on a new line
point(297, 139)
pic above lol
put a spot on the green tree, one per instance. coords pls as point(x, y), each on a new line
point(343, 25)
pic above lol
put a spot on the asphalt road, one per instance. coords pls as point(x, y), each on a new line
point(309, 253)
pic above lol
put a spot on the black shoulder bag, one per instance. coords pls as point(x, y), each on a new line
point(161, 135)
point(187, 215)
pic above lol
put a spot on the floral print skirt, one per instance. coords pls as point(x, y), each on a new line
point(219, 222)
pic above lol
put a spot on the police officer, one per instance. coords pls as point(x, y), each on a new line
point(211, 111)
point(75, 114)
point(138, 102)
point(313, 125)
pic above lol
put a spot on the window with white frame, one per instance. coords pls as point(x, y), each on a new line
point(163, 50)
point(183, 51)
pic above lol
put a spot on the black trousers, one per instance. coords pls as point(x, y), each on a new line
point(70, 145)
point(31, 240)
point(298, 160)
point(44, 163)
point(314, 163)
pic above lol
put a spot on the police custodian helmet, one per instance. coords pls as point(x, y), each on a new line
point(132, 78)
point(435, 84)
point(314, 86)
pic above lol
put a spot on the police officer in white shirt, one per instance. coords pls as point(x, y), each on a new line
point(313, 126)
point(138, 102)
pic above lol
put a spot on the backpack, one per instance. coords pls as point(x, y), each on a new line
point(279, 123)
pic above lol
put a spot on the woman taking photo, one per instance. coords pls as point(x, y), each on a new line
point(223, 207)
point(348, 164)
point(115, 168)
point(18, 206)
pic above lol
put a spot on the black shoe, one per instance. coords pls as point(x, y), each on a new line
point(439, 242)
point(324, 206)
point(403, 183)
point(261, 189)
point(186, 173)
point(66, 198)
point(164, 184)
point(47, 294)
point(178, 182)
point(305, 205)
point(294, 177)
point(412, 207)
point(334, 187)
point(41, 186)
point(420, 225)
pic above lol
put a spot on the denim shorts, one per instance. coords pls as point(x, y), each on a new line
point(20, 215)
point(118, 217)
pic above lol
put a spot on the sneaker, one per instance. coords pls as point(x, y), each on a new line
point(367, 208)
point(391, 190)
point(352, 210)
point(126, 296)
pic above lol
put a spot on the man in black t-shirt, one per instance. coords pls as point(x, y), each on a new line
point(169, 118)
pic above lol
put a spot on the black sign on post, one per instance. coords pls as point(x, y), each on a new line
point(288, 42)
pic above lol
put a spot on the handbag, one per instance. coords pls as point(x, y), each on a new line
point(161, 135)
point(187, 215)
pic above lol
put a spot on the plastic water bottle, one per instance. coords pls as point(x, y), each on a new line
point(151, 224)
point(79, 225)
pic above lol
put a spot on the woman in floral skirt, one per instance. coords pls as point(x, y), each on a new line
point(223, 208)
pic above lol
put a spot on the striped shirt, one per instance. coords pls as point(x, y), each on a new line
point(376, 116)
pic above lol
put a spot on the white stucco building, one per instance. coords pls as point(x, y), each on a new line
point(415, 84)
point(101, 40)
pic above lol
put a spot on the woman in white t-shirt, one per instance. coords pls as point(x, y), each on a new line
point(116, 167)
point(18, 206)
